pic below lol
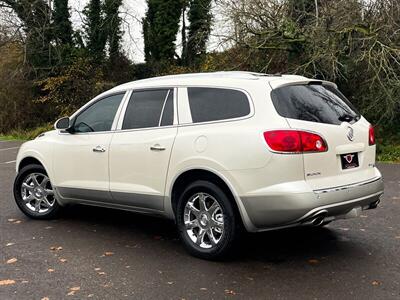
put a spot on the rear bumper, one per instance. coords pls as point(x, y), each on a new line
point(287, 209)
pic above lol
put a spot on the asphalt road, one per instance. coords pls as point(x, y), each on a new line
point(107, 254)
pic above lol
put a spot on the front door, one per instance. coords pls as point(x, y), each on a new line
point(80, 163)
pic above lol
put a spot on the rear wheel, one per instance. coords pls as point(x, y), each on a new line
point(206, 220)
point(34, 193)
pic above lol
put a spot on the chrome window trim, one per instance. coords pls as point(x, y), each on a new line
point(348, 186)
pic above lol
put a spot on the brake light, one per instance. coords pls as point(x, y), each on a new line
point(295, 141)
point(371, 135)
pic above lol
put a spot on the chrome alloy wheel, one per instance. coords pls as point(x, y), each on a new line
point(37, 193)
point(204, 220)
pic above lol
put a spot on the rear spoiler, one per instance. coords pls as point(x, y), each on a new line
point(274, 84)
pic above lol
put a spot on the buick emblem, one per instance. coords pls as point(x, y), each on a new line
point(350, 134)
point(349, 158)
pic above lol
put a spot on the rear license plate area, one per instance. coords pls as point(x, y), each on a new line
point(349, 161)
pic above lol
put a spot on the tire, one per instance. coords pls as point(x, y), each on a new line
point(213, 229)
point(34, 194)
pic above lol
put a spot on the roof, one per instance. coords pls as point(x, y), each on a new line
point(215, 78)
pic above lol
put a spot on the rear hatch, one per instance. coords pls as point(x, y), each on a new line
point(319, 107)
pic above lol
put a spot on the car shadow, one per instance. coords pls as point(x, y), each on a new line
point(301, 243)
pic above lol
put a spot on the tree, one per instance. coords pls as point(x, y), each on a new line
point(303, 12)
point(94, 27)
point(62, 23)
point(112, 25)
point(160, 27)
point(199, 30)
point(35, 19)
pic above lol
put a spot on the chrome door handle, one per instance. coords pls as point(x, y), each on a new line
point(99, 149)
point(157, 147)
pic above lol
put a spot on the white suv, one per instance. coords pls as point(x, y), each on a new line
point(216, 152)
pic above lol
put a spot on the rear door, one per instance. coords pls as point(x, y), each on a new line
point(322, 109)
point(141, 148)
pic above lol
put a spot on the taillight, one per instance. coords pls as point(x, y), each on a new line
point(371, 135)
point(295, 141)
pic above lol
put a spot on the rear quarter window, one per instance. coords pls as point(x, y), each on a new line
point(314, 103)
point(213, 104)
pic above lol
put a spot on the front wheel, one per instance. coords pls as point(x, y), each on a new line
point(206, 220)
point(34, 193)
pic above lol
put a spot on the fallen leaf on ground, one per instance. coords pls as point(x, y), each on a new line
point(63, 260)
point(362, 229)
point(230, 292)
point(7, 282)
point(108, 253)
point(48, 227)
point(376, 282)
point(170, 282)
point(24, 281)
point(45, 298)
point(90, 295)
point(12, 260)
point(101, 273)
point(9, 244)
point(17, 222)
point(11, 220)
point(313, 261)
point(50, 270)
point(73, 290)
point(97, 269)
point(203, 289)
point(56, 248)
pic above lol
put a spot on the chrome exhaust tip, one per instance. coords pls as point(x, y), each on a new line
point(316, 219)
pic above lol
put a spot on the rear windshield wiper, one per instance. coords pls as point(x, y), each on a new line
point(348, 118)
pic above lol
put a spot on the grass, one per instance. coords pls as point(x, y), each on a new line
point(388, 145)
point(388, 141)
point(26, 134)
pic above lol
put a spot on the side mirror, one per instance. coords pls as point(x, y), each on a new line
point(62, 124)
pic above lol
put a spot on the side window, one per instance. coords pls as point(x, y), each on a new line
point(99, 116)
point(212, 104)
point(168, 114)
point(150, 108)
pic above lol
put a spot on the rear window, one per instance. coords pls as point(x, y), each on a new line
point(314, 103)
point(212, 104)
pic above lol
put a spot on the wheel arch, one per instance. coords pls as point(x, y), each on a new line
point(29, 160)
point(190, 175)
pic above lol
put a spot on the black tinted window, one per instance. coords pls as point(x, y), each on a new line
point(210, 104)
point(314, 103)
point(99, 116)
point(145, 107)
point(168, 113)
